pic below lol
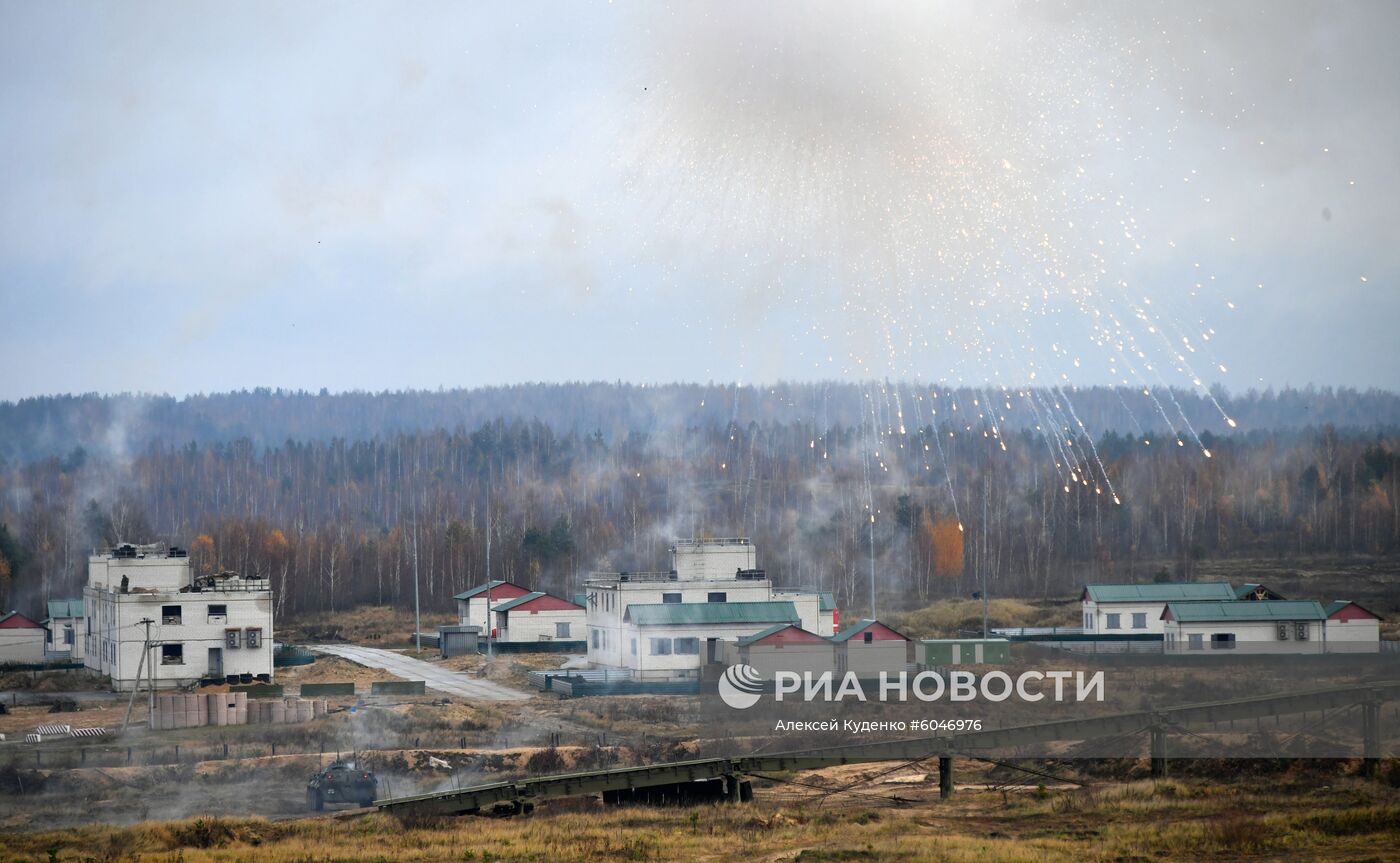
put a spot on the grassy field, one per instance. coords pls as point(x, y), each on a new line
point(1291, 817)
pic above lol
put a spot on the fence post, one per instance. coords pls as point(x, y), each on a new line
point(1159, 752)
point(1370, 739)
point(945, 776)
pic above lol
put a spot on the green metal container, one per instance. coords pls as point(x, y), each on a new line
point(947, 652)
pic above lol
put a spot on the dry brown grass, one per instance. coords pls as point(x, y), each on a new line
point(1347, 820)
point(375, 625)
point(946, 617)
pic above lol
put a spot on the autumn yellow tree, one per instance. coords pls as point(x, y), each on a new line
point(202, 554)
point(947, 542)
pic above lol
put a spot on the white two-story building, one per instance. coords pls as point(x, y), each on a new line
point(669, 624)
point(201, 627)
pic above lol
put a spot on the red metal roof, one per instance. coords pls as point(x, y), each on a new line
point(15, 620)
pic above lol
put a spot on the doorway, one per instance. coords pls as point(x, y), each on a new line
point(216, 662)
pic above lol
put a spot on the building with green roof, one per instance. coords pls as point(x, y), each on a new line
point(1119, 609)
point(1266, 626)
point(64, 623)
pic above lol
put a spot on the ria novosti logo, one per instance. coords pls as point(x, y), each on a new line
point(740, 686)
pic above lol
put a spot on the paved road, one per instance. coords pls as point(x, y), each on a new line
point(433, 676)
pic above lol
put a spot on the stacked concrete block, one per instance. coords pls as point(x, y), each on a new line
point(231, 708)
point(285, 710)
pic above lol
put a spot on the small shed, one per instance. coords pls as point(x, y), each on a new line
point(538, 616)
point(784, 647)
point(1351, 628)
point(21, 639)
point(870, 647)
point(945, 652)
point(458, 640)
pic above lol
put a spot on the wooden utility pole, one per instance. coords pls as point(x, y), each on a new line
point(136, 684)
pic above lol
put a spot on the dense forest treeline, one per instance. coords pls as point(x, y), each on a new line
point(932, 511)
point(45, 426)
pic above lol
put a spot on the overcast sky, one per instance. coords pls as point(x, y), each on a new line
point(202, 197)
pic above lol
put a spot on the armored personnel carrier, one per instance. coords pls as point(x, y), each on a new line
point(342, 782)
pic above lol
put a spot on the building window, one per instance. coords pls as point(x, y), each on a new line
point(634, 647)
point(254, 637)
point(717, 596)
point(218, 613)
point(172, 654)
point(1112, 622)
point(687, 646)
point(170, 615)
point(561, 630)
point(593, 638)
point(232, 639)
point(1196, 641)
point(661, 647)
point(1139, 620)
point(68, 635)
point(1088, 620)
point(1222, 641)
point(868, 637)
point(671, 598)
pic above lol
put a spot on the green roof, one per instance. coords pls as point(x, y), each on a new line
point(828, 601)
point(965, 641)
point(512, 603)
point(861, 626)
point(681, 613)
point(481, 588)
point(65, 608)
point(521, 600)
point(581, 599)
point(1205, 590)
point(1234, 610)
point(762, 634)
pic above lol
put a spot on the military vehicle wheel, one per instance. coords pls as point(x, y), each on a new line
point(315, 801)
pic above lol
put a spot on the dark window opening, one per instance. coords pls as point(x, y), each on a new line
point(170, 615)
point(718, 596)
point(868, 637)
point(671, 598)
point(172, 654)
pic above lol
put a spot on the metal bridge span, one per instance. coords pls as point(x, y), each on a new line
point(521, 794)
